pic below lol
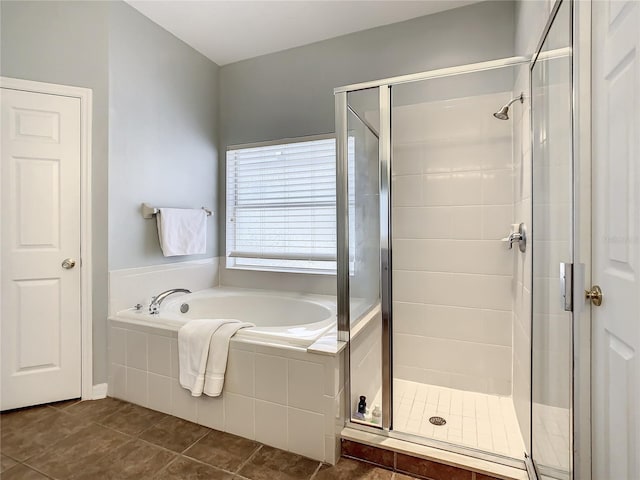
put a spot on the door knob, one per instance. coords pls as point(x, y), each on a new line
point(68, 263)
point(595, 295)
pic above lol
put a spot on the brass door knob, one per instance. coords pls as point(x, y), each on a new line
point(68, 263)
point(595, 295)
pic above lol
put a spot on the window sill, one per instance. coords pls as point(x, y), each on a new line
point(297, 271)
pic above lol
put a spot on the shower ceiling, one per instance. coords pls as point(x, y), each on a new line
point(230, 31)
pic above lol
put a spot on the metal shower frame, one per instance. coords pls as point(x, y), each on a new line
point(342, 107)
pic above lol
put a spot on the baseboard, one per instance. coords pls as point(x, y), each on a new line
point(99, 391)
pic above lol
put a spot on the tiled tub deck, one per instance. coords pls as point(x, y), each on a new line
point(280, 396)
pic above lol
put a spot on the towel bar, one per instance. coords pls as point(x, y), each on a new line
point(148, 211)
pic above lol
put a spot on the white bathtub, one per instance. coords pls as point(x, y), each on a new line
point(280, 389)
point(280, 318)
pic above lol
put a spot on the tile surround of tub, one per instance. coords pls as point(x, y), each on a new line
point(130, 286)
point(452, 203)
point(286, 398)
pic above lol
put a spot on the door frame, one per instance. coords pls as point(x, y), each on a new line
point(85, 95)
point(582, 325)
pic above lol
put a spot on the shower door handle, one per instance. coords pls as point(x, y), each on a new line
point(566, 286)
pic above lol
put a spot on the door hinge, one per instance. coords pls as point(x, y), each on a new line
point(566, 286)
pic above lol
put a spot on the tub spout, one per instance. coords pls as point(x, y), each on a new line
point(154, 306)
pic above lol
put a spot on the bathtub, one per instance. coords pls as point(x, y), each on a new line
point(280, 318)
point(283, 386)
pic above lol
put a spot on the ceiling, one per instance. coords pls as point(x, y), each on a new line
point(229, 31)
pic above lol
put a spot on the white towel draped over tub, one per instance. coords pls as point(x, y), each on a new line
point(182, 231)
point(203, 348)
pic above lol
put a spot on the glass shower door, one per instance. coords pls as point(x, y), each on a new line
point(552, 234)
point(453, 203)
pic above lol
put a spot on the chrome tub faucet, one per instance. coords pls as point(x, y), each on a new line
point(154, 306)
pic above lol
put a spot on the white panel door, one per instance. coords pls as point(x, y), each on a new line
point(616, 239)
point(40, 325)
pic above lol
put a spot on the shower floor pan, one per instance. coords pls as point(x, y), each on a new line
point(478, 420)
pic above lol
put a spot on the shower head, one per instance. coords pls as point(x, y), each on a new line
point(503, 113)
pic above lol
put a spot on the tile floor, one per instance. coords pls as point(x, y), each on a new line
point(478, 420)
point(111, 439)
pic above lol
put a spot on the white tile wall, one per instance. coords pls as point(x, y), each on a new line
point(211, 412)
point(159, 397)
point(240, 375)
point(300, 425)
point(136, 350)
point(159, 361)
point(286, 398)
point(137, 385)
point(272, 424)
point(453, 192)
point(183, 405)
point(304, 390)
point(271, 378)
point(239, 415)
point(118, 380)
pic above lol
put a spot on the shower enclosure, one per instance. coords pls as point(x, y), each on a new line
point(457, 338)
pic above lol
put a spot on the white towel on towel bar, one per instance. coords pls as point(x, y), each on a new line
point(182, 231)
point(203, 348)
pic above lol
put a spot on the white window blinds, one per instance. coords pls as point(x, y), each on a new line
point(281, 206)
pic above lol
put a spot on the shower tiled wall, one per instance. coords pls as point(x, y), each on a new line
point(453, 197)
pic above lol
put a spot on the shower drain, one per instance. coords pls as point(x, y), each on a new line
point(438, 421)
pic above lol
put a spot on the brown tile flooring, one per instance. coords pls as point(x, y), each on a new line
point(111, 439)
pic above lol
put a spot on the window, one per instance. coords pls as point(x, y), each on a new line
point(281, 206)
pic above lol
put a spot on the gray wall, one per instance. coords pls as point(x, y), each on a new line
point(154, 123)
point(162, 135)
point(290, 93)
point(66, 43)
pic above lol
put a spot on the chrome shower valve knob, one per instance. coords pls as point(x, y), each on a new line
point(519, 235)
